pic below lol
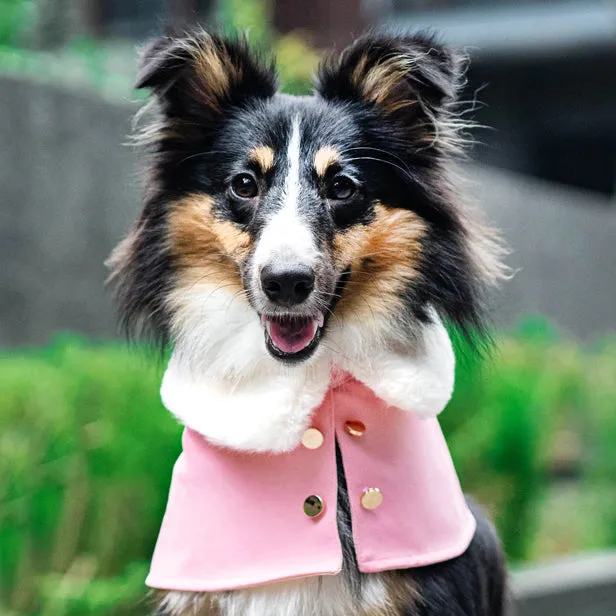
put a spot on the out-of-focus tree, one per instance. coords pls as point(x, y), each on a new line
point(13, 20)
point(296, 59)
point(251, 17)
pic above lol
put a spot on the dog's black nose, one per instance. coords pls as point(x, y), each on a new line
point(287, 286)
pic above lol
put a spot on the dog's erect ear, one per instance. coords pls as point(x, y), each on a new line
point(403, 77)
point(204, 70)
point(159, 60)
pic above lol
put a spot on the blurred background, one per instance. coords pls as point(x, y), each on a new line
point(86, 449)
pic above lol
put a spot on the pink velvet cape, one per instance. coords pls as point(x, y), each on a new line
point(236, 519)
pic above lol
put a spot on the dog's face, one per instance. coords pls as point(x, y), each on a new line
point(331, 207)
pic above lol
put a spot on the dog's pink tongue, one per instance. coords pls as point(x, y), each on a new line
point(292, 335)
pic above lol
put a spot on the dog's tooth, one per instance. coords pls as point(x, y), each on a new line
point(320, 319)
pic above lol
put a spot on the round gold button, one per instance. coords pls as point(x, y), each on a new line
point(354, 428)
point(312, 438)
point(314, 506)
point(371, 498)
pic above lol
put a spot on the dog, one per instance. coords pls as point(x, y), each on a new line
point(282, 233)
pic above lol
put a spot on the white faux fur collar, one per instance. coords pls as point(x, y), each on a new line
point(264, 413)
point(238, 396)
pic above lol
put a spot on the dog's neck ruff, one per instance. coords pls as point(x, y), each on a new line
point(269, 405)
point(236, 514)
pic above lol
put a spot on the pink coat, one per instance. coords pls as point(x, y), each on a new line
point(236, 519)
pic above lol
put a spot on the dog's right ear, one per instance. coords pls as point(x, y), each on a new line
point(204, 72)
point(410, 80)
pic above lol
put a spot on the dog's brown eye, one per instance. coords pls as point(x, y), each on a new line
point(342, 187)
point(244, 186)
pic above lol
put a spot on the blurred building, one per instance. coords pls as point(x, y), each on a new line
point(138, 18)
point(543, 71)
point(59, 21)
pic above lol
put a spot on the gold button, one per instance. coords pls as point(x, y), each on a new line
point(371, 498)
point(312, 438)
point(314, 506)
point(354, 428)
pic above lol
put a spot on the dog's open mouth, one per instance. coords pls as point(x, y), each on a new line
point(292, 337)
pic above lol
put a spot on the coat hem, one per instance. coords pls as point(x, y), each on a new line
point(199, 585)
point(370, 566)
point(433, 558)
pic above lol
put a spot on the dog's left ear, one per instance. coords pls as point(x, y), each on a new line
point(203, 74)
point(413, 80)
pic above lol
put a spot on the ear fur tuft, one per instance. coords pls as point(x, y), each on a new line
point(412, 80)
point(205, 69)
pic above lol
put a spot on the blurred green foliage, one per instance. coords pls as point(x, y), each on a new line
point(297, 62)
point(296, 59)
point(108, 67)
point(250, 17)
point(15, 16)
point(86, 453)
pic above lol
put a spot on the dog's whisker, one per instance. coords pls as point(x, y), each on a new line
point(367, 148)
point(406, 172)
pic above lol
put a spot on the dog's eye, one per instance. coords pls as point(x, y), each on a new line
point(341, 188)
point(244, 186)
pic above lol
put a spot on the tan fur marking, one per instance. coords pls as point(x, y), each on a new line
point(402, 594)
point(207, 249)
point(215, 72)
point(383, 257)
point(359, 71)
point(325, 157)
point(263, 156)
point(381, 84)
point(189, 603)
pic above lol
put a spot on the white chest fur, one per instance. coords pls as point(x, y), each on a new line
point(328, 595)
point(267, 405)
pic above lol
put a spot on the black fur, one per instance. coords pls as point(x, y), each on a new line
point(142, 269)
point(167, 67)
point(473, 584)
point(412, 174)
point(433, 78)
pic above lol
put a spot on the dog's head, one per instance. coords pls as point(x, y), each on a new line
point(293, 216)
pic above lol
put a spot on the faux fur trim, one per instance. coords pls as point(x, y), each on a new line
point(263, 414)
point(236, 395)
point(417, 377)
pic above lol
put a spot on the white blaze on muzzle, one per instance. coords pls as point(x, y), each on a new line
point(287, 238)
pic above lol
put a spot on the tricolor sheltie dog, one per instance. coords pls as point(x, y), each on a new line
point(287, 229)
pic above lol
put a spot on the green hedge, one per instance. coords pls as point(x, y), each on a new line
point(86, 452)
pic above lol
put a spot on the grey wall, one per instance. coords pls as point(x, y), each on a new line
point(574, 586)
point(69, 192)
point(563, 250)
